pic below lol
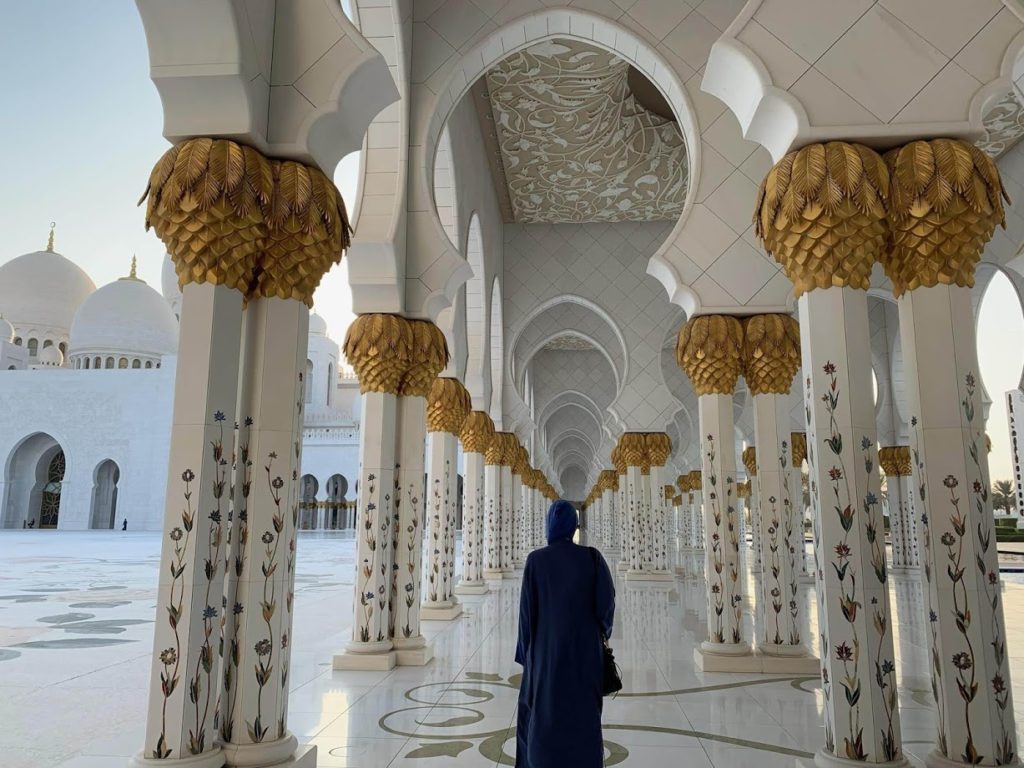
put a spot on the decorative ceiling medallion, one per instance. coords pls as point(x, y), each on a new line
point(575, 144)
point(568, 343)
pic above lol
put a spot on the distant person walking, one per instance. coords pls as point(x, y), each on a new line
point(566, 610)
point(124, 525)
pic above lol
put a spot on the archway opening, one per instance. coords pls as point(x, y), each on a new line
point(308, 505)
point(497, 353)
point(103, 514)
point(337, 511)
point(34, 477)
point(1000, 363)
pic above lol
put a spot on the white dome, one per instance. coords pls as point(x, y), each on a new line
point(317, 325)
point(51, 356)
point(6, 330)
point(125, 316)
point(42, 290)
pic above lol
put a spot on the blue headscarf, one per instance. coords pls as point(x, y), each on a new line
point(562, 521)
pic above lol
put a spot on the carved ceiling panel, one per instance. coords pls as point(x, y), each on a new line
point(574, 143)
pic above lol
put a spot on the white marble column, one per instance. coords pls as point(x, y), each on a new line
point(492, 507)
point(634, 452)
point(854, 616)
point(770, 360)
point(518, 527)
point(507, 516)
point(622, 504)
point(798, 453)
point(185, 674)
point(448, 404)
point(971, 675)
point(709, 350)
point(608, 503)
point(371, 646)
point(896, 465)
point(477, 434)
point(750, 462)
point(261, 576)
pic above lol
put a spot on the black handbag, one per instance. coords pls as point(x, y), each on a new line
point(611, 676)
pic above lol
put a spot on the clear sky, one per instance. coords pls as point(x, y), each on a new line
point(81, 129)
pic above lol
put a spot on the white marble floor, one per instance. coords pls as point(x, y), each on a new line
point(76, 612)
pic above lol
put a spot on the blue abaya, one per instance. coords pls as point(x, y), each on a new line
point(565, 611)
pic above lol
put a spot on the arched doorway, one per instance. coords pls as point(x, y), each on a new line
point(307, 507)
point(337, 487)
point(104, 495)
point(33, 480)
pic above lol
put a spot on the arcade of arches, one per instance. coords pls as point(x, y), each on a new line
point(710, 270)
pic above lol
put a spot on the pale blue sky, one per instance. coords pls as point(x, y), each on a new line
point(81, 129)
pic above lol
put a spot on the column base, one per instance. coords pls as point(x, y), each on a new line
point(649, 576)
point(414, 657)
point(471, 588)
point(493, 574)
point(787, 660)
point(440, 611)
point(823, 759)
point(936, 759)
point(374, 661)
point(283, 753)
point(725, 657)
point(212, 759)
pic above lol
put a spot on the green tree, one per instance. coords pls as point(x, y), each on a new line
point(1003, 496)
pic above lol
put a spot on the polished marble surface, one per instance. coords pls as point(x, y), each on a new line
point(76, 612)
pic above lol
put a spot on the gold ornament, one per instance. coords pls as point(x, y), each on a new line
point(683, 483)
point(521, 460)
point(670, 492)
point(207, 201)
point(945, 199)
point(495, 453)
point(798, 440)
point(617, 459)
point(742, 491)
point(633, 449)
point(749, 457)
point(895, 460)
point(771, 353)
point(820, 213)
point(695, 480)
point(677, 501)
point(659, 448)
point(379, 348)
point(448, 404)
point(709, 349)
point(429, 357)
point(477, 432)
point(308, 231)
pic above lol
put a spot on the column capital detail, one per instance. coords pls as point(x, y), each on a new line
point(207, 199)
point(448, 404)
point(308, 232)
point(945, 200)
point(743, 490)
point(633, 449)
point(618, 460)
point(379, 348)
point(230, 216)
point(477, 432)
point(798, 441)
point(683, 483)
point(429, 356)
point(895, 460)
point(696, 482)
point(771, 353)
point(821, 214)
point(749, 457)
point(659, 447)
point(709, 349)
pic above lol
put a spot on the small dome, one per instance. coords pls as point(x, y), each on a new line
point(6, 330)
point(125, 316)
point(43, 290)
point(317, 325)
point(51, 356)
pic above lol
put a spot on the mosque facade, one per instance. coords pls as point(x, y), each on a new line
point(86, 392)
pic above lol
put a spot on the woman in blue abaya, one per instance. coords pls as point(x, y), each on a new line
point(565, 614)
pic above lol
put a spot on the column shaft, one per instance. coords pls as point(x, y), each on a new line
point(507, 518)
point(492, 521)
point(186, 667)
point(721, 538)
point(441, 452)
point(854, 618)
point(472, 525)
point(967, 637)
